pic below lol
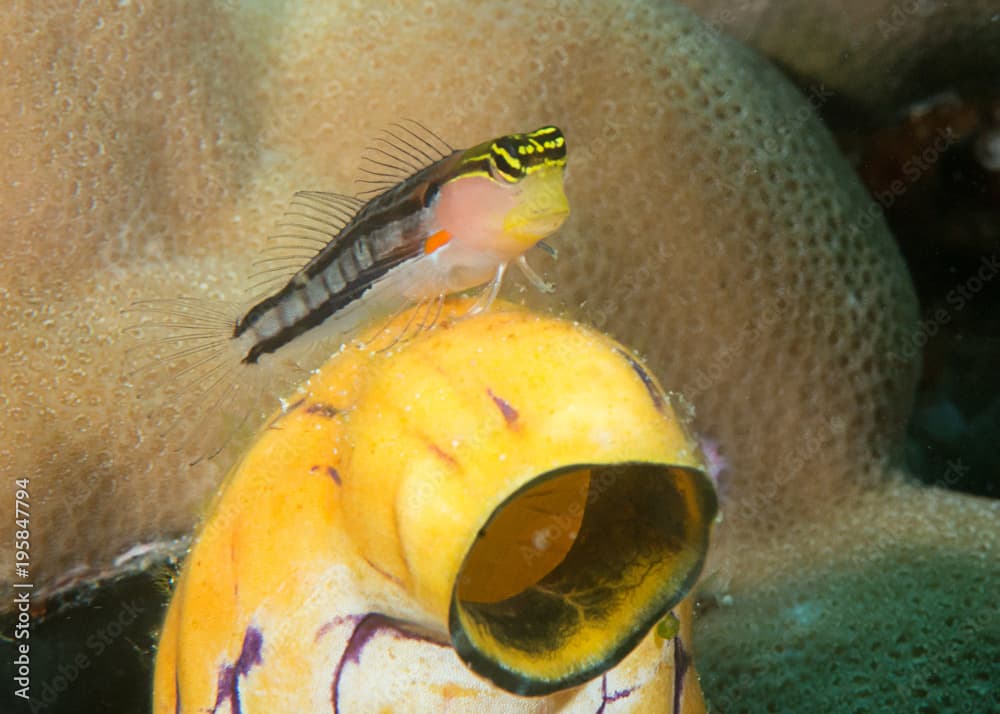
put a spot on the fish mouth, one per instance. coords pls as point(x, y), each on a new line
point(537, 227)
point(542, 207)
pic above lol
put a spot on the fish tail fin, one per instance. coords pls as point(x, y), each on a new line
point(188, 368)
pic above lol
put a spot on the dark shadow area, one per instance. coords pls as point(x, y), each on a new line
point(935, 170)
point(89, 654)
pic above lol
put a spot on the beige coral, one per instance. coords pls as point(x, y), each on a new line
point(877, 55)
point(689, 221)
point(715, 228)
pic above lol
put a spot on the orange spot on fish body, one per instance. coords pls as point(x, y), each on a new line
point(436, 241)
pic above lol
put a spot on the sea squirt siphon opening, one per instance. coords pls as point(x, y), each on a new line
point(571, 571)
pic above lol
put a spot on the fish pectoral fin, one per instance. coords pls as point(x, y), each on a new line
point(490, 293)
point(534, 278)
point(550, 249)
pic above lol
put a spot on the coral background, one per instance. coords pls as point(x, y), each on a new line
point(715, 228)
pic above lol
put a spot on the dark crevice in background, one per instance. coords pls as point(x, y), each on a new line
point(934, 168)
point(92, 650)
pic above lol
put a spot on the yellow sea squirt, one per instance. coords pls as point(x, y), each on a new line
point(516, 486)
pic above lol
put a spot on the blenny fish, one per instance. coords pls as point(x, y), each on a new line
point(433, 221)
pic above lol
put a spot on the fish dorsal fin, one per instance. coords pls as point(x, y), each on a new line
point(399, 151)
point(312, 221)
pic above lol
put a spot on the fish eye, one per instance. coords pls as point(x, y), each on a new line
point(505, 164)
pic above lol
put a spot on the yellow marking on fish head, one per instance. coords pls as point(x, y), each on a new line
point(516, 156)
point(541, 206)
point(525, 173)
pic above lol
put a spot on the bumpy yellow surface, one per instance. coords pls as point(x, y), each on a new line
point(360, 501)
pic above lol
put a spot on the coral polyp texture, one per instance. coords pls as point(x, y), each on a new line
point(713, 223)
point(715, 228)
